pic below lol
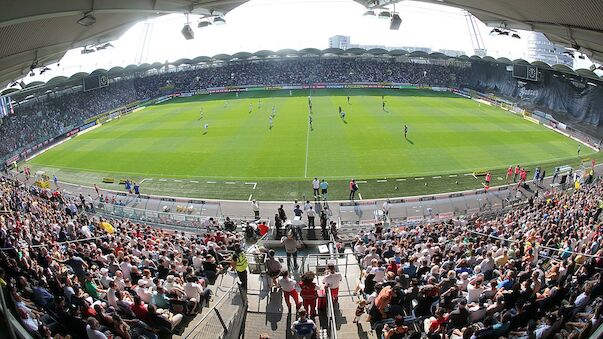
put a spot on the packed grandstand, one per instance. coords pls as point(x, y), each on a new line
point(518, 257)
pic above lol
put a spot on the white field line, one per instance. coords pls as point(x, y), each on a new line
point(211, 182)
point(162, 179)
point(361, 181)
point(176, 180)
point(360, 196)
point(307, 150)
point(249, 199)
point(437, 177)
point(400, 179)
point(419, 178)
point(381, 180)
point(452, 176)
point(230, 183)
point(252, 183)
point(145, 179)
point(194, 181)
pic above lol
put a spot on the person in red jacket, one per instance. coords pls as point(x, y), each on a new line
point(309, 292)
point(516, 173)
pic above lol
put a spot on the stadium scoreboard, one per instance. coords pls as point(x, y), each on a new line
point(95, 81)
point(525, 72)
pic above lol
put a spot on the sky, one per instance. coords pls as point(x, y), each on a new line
point(297, 24)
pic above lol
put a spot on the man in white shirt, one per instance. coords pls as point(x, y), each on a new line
point(475, 289)
point(255, 206)
point(86, 231)
point(331, 281)
point(92, 329)
point(144, 293)
point(195, 293)
point(377, 270)
point(368, 259)
point(126, 267)
point(315, 187)
point(311, 214)
point(111, 298)
point(386, 207)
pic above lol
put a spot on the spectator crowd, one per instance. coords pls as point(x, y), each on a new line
point(534, 272)
point(66, 273)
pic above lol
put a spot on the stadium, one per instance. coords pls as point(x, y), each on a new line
point(363, 191)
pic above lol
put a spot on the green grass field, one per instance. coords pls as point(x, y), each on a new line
point(166, 145)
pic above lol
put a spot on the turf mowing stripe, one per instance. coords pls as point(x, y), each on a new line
point(307, 149)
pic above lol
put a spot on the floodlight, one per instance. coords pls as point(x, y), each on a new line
point(369, 13)
point(219, 20)
point(87, 20)
point(187, 32)
point(395, 22)
point(204, 23)
point(385, 15)
point(104, 46)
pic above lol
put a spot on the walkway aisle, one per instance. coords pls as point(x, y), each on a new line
point(268, 312)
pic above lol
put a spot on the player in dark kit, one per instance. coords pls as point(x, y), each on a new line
point(405, 131)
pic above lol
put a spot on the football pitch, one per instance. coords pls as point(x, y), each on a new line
point(238, 155)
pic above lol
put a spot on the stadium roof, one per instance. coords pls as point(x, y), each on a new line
point(576, 24)
point(39, 33)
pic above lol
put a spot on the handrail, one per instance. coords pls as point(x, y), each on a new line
point(211, 310)
point(331, 315)
point(536, 245)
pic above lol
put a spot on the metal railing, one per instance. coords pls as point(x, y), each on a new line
point(320, 261)
point(223, 320)
point(331, 321)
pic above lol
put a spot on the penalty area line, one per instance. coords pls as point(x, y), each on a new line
point(252, 183)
